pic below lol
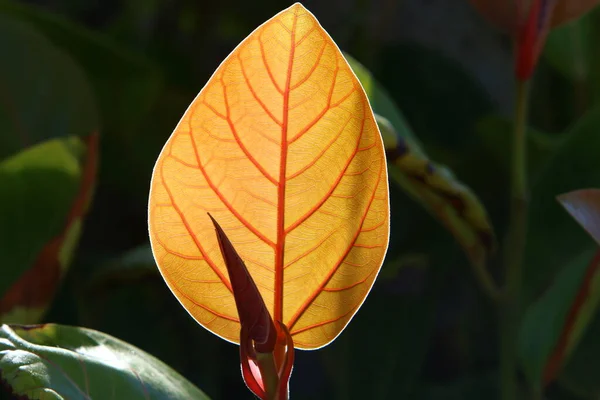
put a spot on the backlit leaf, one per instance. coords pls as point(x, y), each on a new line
point(282, 148)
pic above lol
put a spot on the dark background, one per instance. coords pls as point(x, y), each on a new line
point(425, 331)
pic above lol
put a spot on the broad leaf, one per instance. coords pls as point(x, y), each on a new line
point(61, 362)
point(47, 167)
point(282, 148)
point(431, 185)
point(48, 188)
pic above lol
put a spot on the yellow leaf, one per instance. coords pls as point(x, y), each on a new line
point(282, 148)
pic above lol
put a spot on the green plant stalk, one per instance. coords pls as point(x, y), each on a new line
point(510, 314)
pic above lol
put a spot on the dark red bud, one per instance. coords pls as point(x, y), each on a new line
point(253, 313)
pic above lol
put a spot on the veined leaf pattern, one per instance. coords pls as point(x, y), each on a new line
point(282, 148)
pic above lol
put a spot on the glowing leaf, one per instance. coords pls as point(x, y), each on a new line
point(282, 148)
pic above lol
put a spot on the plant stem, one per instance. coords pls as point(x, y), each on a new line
point(514, 247)
point(268, 372)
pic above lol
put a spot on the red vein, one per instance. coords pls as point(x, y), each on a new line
point(175, 253)
point(210, 310)
point(335, 184)
point(264, 59)
point(180, 161)
point(353, 285)
point(313, 69)
point(214, 110)
point(307, 252)
point(280, 248)
point(239, 141)
point(255, 95)
point(194, 238)
point(323, 323)
point(314, 295)
point(241, 218)
point(328, 107)
point(325, 148)
point(307, 34)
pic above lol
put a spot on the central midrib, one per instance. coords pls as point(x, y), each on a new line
point(280, 243)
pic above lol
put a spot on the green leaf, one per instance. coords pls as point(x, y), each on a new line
point(48, 137)
point(575, 165)
point(49, 172)
point(431, 185)
point(568, 48)
point(61, 362)
point(554, 324)
point(43, 93)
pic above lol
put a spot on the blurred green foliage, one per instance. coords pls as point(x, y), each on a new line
point(130, 69)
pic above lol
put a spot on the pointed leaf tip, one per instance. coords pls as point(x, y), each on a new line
point(250, 305)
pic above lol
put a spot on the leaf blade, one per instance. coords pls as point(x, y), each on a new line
point(309, 189)
point(78, 363)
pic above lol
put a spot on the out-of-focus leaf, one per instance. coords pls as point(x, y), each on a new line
point(43, 93)
point(504, 14)
point(296, 176)
point(581, 374)
point(584, 207)
point(41, 235)
point(50, 172)
point(431, 185)
point(126, 84)
point(125, 296)
point(554, 324)
point(575, 165)
point(45, 183)
point(384, 106)
point(61, 362)
point(569, 48)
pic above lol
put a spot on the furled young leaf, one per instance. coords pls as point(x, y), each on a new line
point(282, 148)
point(433, 186)
point(61, 362)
